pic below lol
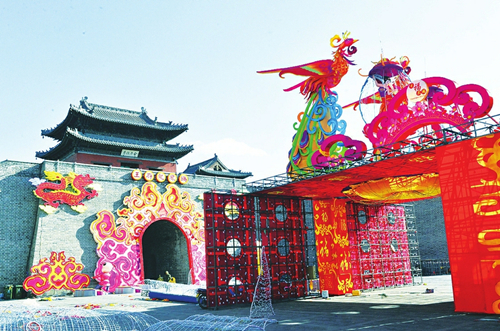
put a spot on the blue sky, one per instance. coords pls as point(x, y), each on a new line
point(195, 62)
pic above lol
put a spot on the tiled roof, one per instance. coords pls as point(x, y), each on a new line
point(203, 168)
point(126, 116)
point(127, 143)
point(191, 169)
point(118, 115)
point(230, 173)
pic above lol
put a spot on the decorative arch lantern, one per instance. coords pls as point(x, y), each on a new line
point(395, 108)
point(119, 240)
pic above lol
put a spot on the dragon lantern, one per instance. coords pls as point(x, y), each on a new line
point(71, 190)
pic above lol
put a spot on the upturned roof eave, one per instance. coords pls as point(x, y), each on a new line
point(58, 131)
point(193, 168)
point(231, 174)
point(153, 125)
point(71, 136)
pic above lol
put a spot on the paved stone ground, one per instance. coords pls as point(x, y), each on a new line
point(407, 308)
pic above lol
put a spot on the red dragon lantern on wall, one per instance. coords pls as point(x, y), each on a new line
point(71, 190)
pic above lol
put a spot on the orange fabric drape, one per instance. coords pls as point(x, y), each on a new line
point(395, 189)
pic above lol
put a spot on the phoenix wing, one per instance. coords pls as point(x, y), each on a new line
point(316, 68)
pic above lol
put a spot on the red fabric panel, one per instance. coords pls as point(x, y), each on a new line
point(334, 261)
point(470, 185)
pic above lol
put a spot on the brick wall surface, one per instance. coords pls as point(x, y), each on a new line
point(66, 230)
point(18, 210)
point(430, 229)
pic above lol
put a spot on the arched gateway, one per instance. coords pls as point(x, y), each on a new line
point(164, 248)
point(120, 241)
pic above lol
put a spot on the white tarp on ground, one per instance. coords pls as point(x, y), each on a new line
point(170, 288)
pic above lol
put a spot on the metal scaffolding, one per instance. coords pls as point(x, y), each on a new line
point(418, 142)
point(411, 232)
point(383, 246)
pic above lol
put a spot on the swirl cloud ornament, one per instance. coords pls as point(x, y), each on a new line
point(119, 240)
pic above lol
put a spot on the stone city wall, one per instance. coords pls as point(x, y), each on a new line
point(28, 234)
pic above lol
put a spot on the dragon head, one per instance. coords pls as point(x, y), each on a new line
point(86, 180)
point(344, 46)
point(85, 183)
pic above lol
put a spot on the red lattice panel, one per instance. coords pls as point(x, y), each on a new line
point(286, 240)
point(232, 241)
point(230, 249)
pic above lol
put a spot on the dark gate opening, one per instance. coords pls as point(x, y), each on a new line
point(164, 248)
